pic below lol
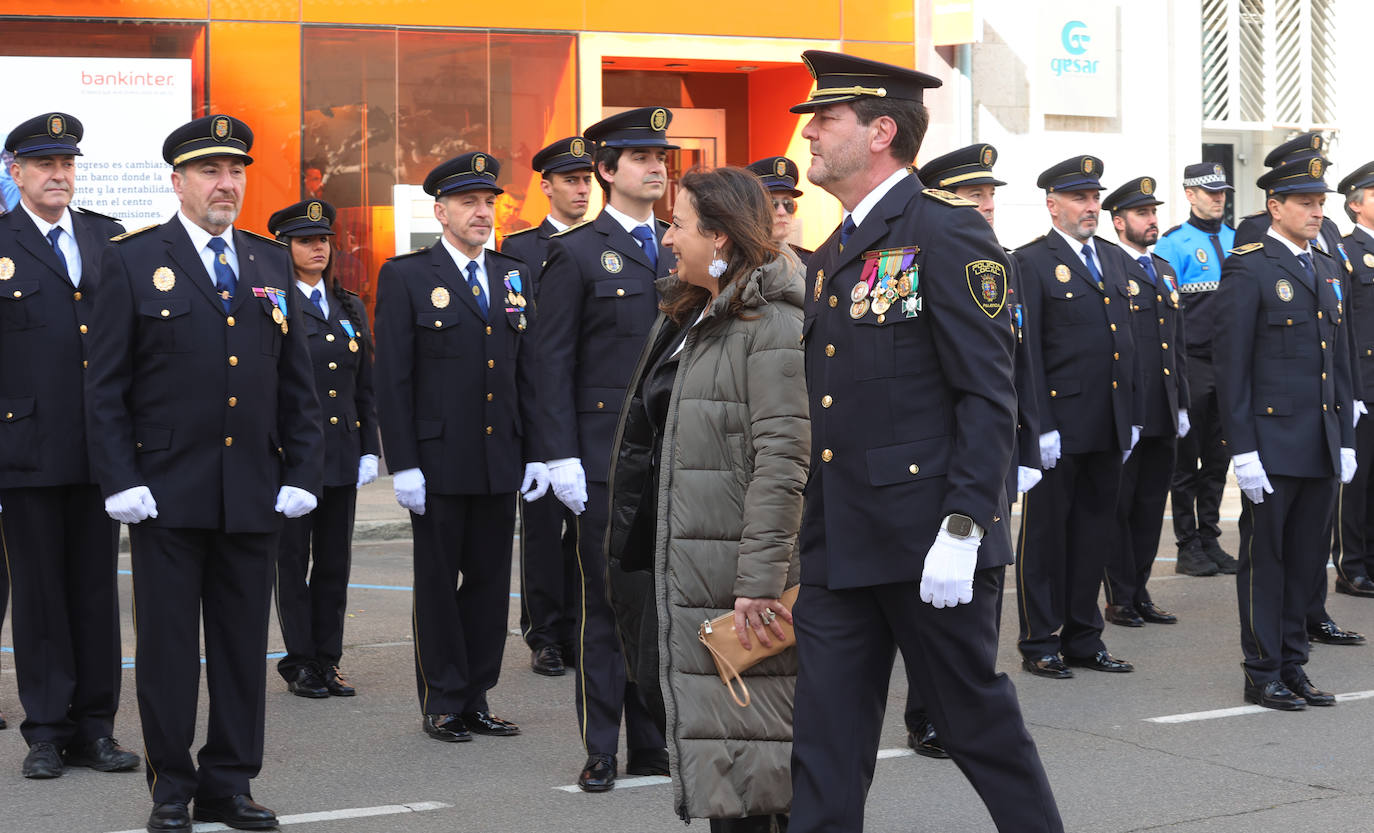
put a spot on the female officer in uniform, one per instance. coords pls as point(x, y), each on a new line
point(312, 612)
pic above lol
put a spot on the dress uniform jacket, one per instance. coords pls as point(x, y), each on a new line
point(1351, 544)
point(470, 426)
point(1196, 259)
point(1157, 330)
point(343, 383)
point(1359, 301)
point(531, 245)
point(212, 412)
point(1027, 449)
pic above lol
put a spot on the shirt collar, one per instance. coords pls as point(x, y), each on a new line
point(873, 197)
point(1074, 243)
point(64, 222)
point(557, 226)
point(306, 288)
point(627, 222)
point(463, 260)
point(200, 238)
point(1369, 232)
point(1292, 247)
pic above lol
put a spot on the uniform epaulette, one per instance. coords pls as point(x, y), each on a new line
point(126, 235)
point(947, 198)
point(1248, 248)
point(520, 232)
point(1172, 230)
point(1322, 252)
point(1029, 243)
point(410, 253)
point(90, 213)
point(264, 238)
point(345, 290)
point(573, 227)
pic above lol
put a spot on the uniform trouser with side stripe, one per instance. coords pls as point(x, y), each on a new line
point(460, 626)
point(1352, 546)
point(1280, 542)
point(1145, 481)
point(548, 574)
point(1065, 522)
point(601, 686)
point(61, 550)
point(311, 611)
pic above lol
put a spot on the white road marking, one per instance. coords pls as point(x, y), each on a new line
point(1237, 711)
point(330, 815)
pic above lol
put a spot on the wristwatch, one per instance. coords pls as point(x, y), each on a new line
point(960, 526)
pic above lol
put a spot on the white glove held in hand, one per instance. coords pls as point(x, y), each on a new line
point(947, 579)
point(367, 469)
point(1135, 438)
point(536, 482)
point(131, 505)
point(569, 484)
point(1250, 476)
point(1348, 465)
point(1026, 478)
point(1359, 410)
point(409, 485)
point(1184, 426)
point(1049, 450)
point(294, 502)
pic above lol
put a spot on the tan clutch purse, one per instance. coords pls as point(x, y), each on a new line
point(718, 635)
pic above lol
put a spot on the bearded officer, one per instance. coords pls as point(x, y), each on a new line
point(1353, 548)
point(779, 176)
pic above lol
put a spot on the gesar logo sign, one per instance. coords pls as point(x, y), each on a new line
point(1076, 59)
point(1074, 38)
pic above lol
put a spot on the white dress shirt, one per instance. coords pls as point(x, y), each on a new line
point(306, 289)
point(867, 204)
point(1077, 246)
point(66, 241)
point(1292, 247)
point(200, 241)
point(462, 261)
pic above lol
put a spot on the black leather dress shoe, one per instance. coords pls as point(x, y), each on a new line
point(240, 812)
point(548, 661)
point(1274, 695)
point(446, 727)
point(598, 774)
point(647, 762)
point(1101, 661)
point(486, 723)
point(1357, 586)
point(1312, 695)
point(336, 684)
point(924, 740)
point(1226, 563)
point(1151, 612)
point(1192, 561)
point(170, 816)
point(1124, 615)
point(308, 683)
point(1050, 666)
point(1329, 633)
point(43, 761)
point(102, 754)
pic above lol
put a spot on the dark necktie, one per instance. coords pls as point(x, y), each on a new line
point(1147, 263)
point(1092, 264)
point(1306, 260)
point(477, 288)
point(53, 236)
point(645, 236)
point(318, 300)
point(1216, 246)
point(846, 229)
point(225, 279)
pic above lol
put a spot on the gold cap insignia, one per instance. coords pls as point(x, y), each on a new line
point(1061, 273)
point(479, 163)
point(7, 268)
point(1147, 186)
point(578, 147)
point(1314, 168)
point(220, 128)
point(1088, 165)
point(439, 297)
point(658, 120)
point(780, 167)
point(1284, 290)
point(56, 126)
point(611, 262)
point(1317, 142)
point(1216, 169)
point(314, 211)
point(164, 279)
point(987, 157)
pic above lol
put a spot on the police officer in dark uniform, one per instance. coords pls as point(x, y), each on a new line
point(600, 279)
point(1157, 331)
point(1284, 384)
point(1077, 301)
point(60, 546)
point(455, 395)
point(204, 431)
point(320, 544)
point(779, 175)
point(549, 581)
point(909, 365)
point(1353, 546)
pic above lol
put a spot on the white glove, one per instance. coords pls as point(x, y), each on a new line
point(131, 505)
point(536, 483)
point(1135, 438)
point(1026, 478)
point(1251, 477)
point(1184, 426)
point(1348, 465)
point(409, 485)
point(367, 470)
point(1049, 450)
point(947, 579)
point(1360, 410)
point(294, 502)
point(569, 483)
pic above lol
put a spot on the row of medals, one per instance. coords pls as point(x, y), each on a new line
point(879, 298)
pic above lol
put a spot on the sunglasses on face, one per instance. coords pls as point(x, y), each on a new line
point(789, 205)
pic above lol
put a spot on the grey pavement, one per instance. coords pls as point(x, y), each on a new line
point(1113, 770)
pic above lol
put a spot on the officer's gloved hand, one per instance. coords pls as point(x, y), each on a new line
point(1184, 426)
point(536, 483)
point(1348, 465)
point(1359, 410)
point(294, 502)
point(569, 483)
point(1135, 438)
point(409, 485)
point(1026, 478)
point(131, 505)
point(367, 469)
point(947, 579)
point(1049, 450)
point(1251, 477)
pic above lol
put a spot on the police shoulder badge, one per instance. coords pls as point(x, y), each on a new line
point(987, 280)
point(439, 297)
point(1284, 289)
point(611, 262)
point(1061, 273)
point(164, 279)
point(1201, 255)
point(6, 268)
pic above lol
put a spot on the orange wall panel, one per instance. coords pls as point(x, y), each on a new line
point(174, 9)
point(266, 93)
point(879, 20)
point(509, 14)
point(759, 18)
point(900, 54)
point(771, 92)
point(281, 10)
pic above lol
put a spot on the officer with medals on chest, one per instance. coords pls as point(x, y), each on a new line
point(1157, 330)
point(600, 278)
point(1078, 325)
point(549, 580)
point(60, 546)
point(456, 401)
point(1283, 379)
point(779, 176)
point(909, 366)
point(204, 432)
point(320, 544)
point(1353, 546)
point(1195, 250)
